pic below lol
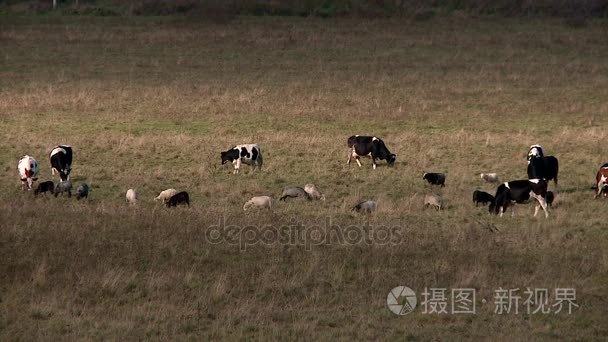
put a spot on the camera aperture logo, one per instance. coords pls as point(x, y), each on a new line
point(401, 300)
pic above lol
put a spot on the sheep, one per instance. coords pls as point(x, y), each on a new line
point(63, 186)
point(489, 177)
point(258, 202)
point(165, 195)
point(295, 192)
point(131, 196)
point(435, 178)
point(365, 206)
point(314, 192)
point(43, 187)
point(179, 198)
point(482, 197)
point(82, 191)
point(433, 201)
point(550, 197)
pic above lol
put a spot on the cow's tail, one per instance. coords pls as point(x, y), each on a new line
point(260, 161)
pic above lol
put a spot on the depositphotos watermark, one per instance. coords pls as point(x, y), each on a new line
point(299, 234)
point(402, 300)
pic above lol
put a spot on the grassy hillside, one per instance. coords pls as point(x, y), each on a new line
point(149, 103)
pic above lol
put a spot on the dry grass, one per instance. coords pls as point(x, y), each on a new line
point(149, 103)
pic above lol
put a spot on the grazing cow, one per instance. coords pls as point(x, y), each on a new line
point(365, 206)
point(63, 186)
point(165, 195)
point(43, 187)
point(61, 161)
point(131, 196)
point(249, 154)
point(260, 202)
point(435, 178)
point(519, 191)
point(550, 197)
point(543, 167)
point(362, 146)
point(482, 197)
point(489, 177)
point(294, 192)
point(535, 151)
point(28, 172)
point(433, 200)
point(601, 180)
point(314, 192)
point(82, 191)
point(178, 198)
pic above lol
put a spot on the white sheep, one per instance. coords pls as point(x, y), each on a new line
point(258, 202)
point(365, 206)
point(489, 177)
point(433, 201)
point(131, 196)
point(314, 192)
point(165, 195)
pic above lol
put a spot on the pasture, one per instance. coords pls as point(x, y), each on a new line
point(149, 104)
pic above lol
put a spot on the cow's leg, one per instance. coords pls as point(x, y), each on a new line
point(237, 166)
point(374, 163)
point(358, 162)
point(502, 210)
point(542, 202)
point(350, 155)
point(513, 210)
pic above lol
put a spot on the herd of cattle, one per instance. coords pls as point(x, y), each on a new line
point(541, 169)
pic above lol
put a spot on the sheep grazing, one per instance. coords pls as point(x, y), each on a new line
point(131, 196)
point(294, 192)
point(434, 178)
point(82, 191)
point(434, 201)
point(260, 202)
point(179, 198)
point(550, 197)
point(43, 187)
point(365, 206)
point(489, 177)
point(314, 192)
point(165, 195)
point(63, 187)
point(482, 197)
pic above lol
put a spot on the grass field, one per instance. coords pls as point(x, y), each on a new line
point(149, 103)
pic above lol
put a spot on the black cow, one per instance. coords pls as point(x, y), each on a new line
point(434, 178)
point(61, 161)
point(178, 198)
point(482, 197)
point(519, 191)
point(366, 146)
point(543, 167)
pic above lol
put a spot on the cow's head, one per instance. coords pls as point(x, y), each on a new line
point(391, 159)
point(229, 155)
point(535, 151)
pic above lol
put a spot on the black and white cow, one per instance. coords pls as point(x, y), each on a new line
point(61, 161)
point(249, 154)
point(366, 146)
point(601, 179)
point(28, 171)
point(543, 168)
point(519, 191)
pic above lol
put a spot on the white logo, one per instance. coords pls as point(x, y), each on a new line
point(401, 300)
